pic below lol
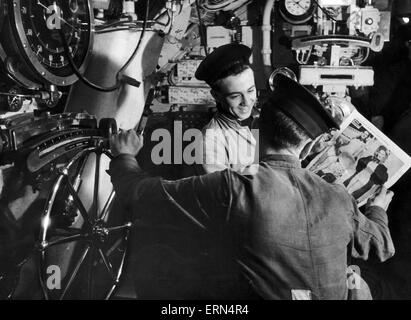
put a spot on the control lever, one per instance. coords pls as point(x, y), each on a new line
point(146, 112)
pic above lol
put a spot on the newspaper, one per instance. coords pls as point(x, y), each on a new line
point(360, 157)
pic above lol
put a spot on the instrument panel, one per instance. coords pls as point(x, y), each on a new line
point(31, 40)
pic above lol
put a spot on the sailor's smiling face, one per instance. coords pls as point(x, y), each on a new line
point(237, 94)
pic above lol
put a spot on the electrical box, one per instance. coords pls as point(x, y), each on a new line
point(185, 73)
point(189, 95)
point(336, 79)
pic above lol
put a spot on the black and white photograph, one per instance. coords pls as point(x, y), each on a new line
point(360, 157)
point(205, 155)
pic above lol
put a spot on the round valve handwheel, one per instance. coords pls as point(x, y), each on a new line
point(83, 237)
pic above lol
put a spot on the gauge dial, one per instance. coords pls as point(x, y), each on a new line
point(297, 11)
point(297, 7)
point(37, 24)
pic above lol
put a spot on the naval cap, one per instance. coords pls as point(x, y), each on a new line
point(299, 104)
point(220, 60)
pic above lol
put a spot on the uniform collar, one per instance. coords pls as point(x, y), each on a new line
point(282, 159)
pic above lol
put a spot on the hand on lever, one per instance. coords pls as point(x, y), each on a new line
point(126, 142)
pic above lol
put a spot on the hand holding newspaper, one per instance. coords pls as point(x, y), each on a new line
point(360, 157)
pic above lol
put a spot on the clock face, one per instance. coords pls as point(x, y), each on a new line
point(42, 34)
point(38, 23)
point(298, 7)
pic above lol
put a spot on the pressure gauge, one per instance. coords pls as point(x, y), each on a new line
point(38, 55)
point(297, 11)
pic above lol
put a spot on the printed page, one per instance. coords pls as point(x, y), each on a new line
point(360, 157)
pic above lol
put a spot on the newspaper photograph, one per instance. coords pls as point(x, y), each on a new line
point(360, 157)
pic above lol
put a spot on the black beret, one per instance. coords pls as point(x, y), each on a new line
point(222, 58)
point(301, 106)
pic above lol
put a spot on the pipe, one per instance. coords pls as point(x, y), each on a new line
point(266, 28)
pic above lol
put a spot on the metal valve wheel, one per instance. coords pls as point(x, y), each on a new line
point(83, 235)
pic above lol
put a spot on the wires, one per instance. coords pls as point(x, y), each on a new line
point(125, 27)
point(325, 12)
point(203, 37)
point(139, 41)
point(362, 57)
point(217, 5)
point(166, 12)
point(303, 56)
point(114, 24)
point(77, 71)
point(171, 22)
point(119, 77)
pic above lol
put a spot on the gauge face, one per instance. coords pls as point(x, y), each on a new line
point(38, 23)
point(297, 11)
point(298, 7)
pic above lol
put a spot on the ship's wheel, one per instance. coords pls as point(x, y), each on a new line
point(83, 234)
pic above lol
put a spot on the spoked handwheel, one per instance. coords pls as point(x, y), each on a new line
point(83, 238)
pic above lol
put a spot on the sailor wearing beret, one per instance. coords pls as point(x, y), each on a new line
point(227, 138)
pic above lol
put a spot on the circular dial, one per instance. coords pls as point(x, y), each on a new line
point(38, 23)
point(297, 11)
point(298, 7)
